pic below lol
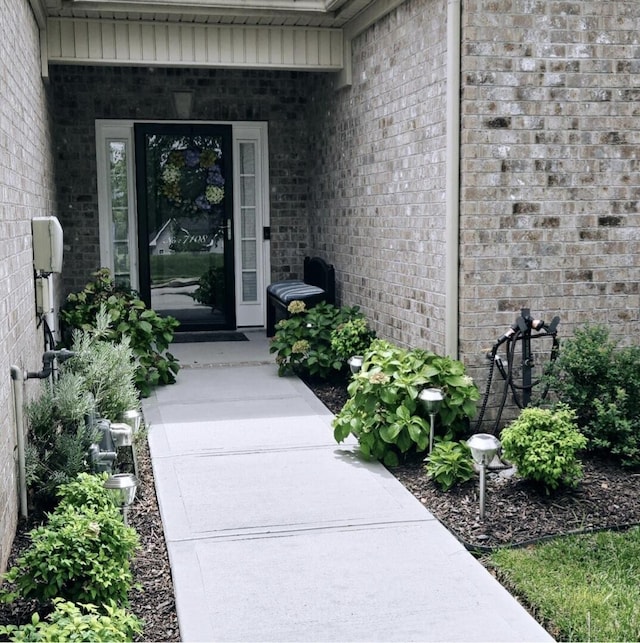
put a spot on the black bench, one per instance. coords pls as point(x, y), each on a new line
point(319, 284)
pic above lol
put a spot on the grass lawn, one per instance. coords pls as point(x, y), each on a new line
point(584, 588)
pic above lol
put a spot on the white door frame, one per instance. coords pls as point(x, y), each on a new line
point(120, 132)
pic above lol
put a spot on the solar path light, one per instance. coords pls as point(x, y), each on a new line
point(133, 418)
point(484, 447)
point(123, 487)
point(355, 363)
point(431, 399)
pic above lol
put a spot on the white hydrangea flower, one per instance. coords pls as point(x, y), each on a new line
point(214, 194)
point(171, 174)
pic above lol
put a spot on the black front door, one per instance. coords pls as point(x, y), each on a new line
point(185, 223)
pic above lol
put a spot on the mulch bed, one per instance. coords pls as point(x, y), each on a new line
point(516, 513)
point(154, 601)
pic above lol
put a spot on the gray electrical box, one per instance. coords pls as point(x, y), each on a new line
point(47, 244)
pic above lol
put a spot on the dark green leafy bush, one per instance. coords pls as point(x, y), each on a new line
point(149, 334)
point(601, 381)
point(302, 342)
point(81, 554)
point(77, 622)
point(86, 491)
point(383, 410)
point(544, 445)
point(210, 290)
point(449, 464)
point(352, 337)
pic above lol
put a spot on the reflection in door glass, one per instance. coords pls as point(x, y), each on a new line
point(186, 190)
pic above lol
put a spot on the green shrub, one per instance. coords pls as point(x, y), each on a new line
point(211, 287)
point(352, 337)
point(302, 342)
point(81, 554)
point(449, 463)
point(613, 431)
point(77, 622)
point(65, 400)
point(149, 334)
point(383, 410)
point(601, 381)
point(86, 491)
point(59, 438)
point(107, 369)
point(544, 444)
point(97, 380)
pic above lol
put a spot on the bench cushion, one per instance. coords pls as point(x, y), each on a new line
point(291, 289)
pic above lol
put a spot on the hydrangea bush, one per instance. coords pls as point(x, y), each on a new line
point(303, 342)
point(384, 412)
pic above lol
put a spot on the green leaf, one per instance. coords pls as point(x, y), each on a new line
point(341, 433)
point(391, 459)
point(418, 436)
point(404, 441)
point(390, 432)
point(456, 380)
point(388, 395)
point(403, 413)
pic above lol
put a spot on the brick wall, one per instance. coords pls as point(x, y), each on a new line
point(550, 181)
point(550, 175)
point(377, 198)
point(83, 94)
point(25, 191)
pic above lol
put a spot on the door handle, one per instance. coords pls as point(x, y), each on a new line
point(226, 228)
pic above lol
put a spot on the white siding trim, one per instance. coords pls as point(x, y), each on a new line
point(82, 41)
point(252, 313)
point(106, 131)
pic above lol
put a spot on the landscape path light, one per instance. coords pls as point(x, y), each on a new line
point(355, 363)
point(133, 418)
point(484, 447)
point(431, 399)
point(123, 486)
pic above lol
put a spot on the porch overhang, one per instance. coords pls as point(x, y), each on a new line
point(148, 43)
point(325, 13)
point(303, 35)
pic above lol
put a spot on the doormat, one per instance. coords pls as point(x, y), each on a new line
point(212, 336)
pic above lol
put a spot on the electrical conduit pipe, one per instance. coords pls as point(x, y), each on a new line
point(452, 188)
point(17, 381)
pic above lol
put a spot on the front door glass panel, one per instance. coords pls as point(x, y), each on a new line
point(185, 223)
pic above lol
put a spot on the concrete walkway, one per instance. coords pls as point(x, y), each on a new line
point(277, 533)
